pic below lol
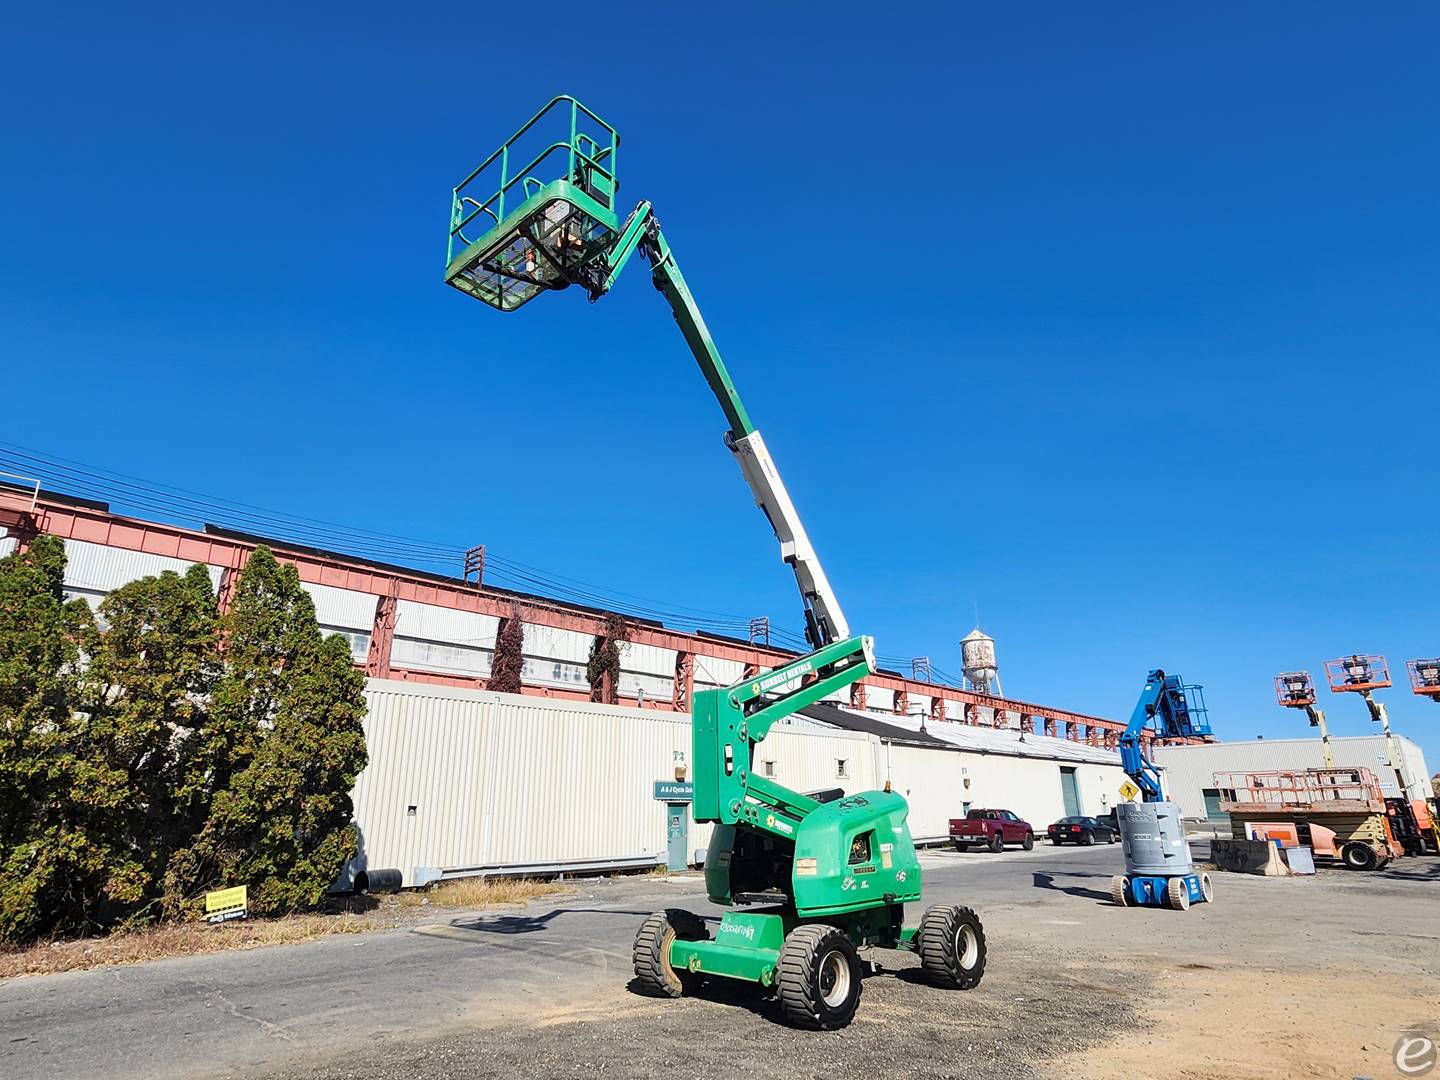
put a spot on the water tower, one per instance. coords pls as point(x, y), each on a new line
point(977, 662)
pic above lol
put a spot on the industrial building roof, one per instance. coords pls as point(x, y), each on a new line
point(956, 736)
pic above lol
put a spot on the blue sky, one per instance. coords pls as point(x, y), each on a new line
point(1116, 322)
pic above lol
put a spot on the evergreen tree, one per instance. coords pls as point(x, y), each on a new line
point(281, 752)
point(508, 663)
point(152, 673)
point(61, 866)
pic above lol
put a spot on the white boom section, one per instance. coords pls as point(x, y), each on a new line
point(823, 609)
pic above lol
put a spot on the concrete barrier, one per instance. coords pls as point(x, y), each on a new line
point(1248, 857)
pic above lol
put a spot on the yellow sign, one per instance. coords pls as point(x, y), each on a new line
point(223, 904)
point(1128, 790)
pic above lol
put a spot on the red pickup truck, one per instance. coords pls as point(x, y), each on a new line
point(993, 828)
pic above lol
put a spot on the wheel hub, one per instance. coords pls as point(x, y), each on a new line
point(966, 947)
point(834, 979)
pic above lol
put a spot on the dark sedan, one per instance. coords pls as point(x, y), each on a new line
point(1081, 830)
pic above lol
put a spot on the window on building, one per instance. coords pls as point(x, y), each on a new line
point(359, 640)
point(842, 767)
point(769, 768)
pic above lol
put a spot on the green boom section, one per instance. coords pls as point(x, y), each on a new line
point(727, 723)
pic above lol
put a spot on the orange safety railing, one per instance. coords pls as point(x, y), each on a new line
point(1357, 672)
point(1295, 689)
point(1424, 676)
point(1303, 789)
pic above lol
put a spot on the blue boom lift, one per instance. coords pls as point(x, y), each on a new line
point(1158, 868)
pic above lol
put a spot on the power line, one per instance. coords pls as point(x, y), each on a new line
point(91, 482)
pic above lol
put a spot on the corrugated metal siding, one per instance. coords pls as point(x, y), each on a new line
point(432, 638)
point(1192, 768)
point(436, 656)
point(504, 779)
point(7, 545)
point(93, 570)
point(433, 623)
point(712, 671)
point(648, 659)
point(500, 779)
point(556, 657)
point(553, 643)
point(647, 668)
point(343, 609)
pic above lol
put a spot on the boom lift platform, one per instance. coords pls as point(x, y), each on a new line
point(1410, 821)
point(821, 874)
point(1158, 867)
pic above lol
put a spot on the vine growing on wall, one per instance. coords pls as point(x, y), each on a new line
point(508, 663)
point(603, 669)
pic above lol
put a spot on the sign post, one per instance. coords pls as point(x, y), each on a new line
point(677, 796)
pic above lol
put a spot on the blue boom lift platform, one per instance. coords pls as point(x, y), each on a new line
point(1159, 870)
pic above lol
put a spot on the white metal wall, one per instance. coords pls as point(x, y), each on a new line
point(94, 570)
point(433, 638)
point(712, 671)
point(346, 612)
point(467, 778)
point(463, 779)
point(938, 783)
point(7, 545)
point(1192, 768)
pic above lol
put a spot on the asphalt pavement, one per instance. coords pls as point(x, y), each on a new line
point(546, 991)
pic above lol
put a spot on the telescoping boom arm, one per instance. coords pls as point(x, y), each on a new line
point(1175, 711)
point(825, 623)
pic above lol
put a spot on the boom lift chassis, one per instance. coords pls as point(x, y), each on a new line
point(822, 874)
point(1159, 871)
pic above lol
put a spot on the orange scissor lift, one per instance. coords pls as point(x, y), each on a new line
point(1338, 812)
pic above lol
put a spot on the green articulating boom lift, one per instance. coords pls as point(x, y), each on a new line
point(822, 874)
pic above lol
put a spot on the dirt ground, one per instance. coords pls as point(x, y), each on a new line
point(1242, 1025)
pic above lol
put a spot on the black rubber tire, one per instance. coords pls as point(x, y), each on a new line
point(951, 944)
point(1029, 842)
point(1056, 841)
point(1110, 838)
point(997, 842)
point(1087, 838)
point(1358, 855)
point(652, 952)
point(961, 847)
point(805, 961)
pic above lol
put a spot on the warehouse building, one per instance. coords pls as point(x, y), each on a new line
point(1192, 769)
point(463, 780)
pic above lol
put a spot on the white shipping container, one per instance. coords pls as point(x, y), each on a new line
point(465, 779)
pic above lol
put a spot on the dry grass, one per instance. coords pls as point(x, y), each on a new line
point(347, 915)
point(479, 892)
point(176, 939)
